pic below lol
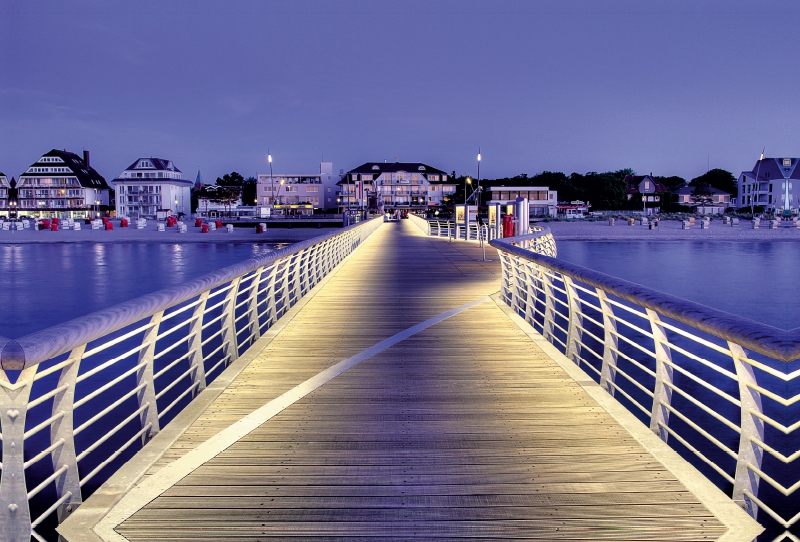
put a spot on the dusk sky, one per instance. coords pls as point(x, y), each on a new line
point(662, 87)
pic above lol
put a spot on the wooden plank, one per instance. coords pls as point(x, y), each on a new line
point(464, 430)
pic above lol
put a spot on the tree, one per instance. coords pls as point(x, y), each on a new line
point(719, 179)
point(249, 191)
point(702, 194)
point(672, 183)
point(225, 195)
point(230, 179)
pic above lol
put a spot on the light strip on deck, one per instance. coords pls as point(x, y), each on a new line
point(153, 486)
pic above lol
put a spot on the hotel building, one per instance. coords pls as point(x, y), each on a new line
point(150, 185)
point(766, 186)
point(298, 193)
point(395, 186)
point(61, 184)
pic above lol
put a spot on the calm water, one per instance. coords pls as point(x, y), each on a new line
point(46, 284)
point(755, 280)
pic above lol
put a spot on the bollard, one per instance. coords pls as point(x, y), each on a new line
point(703, 224)
point(773, 224)
point(756, 223)
point(734, 221)
point(611, 221)
point(685, 225)
point(631, 222)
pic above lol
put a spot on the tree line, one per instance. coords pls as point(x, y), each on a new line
point(606, 190)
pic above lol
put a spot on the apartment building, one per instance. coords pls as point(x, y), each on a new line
point(150, 185)
point(395, 186)
point(61, 184)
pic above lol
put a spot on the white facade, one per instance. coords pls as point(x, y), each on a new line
point(395, 185)
point(767, 185)
point(541, 200)
point(61, 184)
point(315, 189)
point(150, 185)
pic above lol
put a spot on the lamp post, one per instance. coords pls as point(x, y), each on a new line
point(271, 181)
point(758, 169)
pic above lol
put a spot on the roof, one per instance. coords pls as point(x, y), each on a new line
point(689, 190)
point(376, 168)
point(770, 169)
point(86, 175)
point(157, 180)
point(633, 182)
point(158, 164)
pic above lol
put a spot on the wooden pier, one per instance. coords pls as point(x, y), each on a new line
point(460, 427)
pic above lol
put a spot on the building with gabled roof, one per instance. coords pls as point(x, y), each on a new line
point(714, 201)
point(645, 189)
point(395, 186)
point(150, 185)
point(766, 185)
point(4, 186)
point(62, 184)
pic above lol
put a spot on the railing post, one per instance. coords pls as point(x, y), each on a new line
point(229, 339)
point(608, 371)
point(750, 453)
point(62, 429)
point(196, 344)
point(252, 306)
point(574, 331)
point(549, 305)
point(147, 395)
point(15, 514)
point(662, 393)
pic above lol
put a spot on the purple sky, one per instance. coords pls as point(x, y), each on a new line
point(565, 86)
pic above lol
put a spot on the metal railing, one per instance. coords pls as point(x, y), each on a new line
point(78, 399)
point(448, 228)
point(718, 388)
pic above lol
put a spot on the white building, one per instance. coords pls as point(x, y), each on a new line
point(395, 185)
point(150, 185)
point(766, 186)
point(61, 184)
point(4, 186)
point(541, 200)
point(288, 193)
point(715, 202)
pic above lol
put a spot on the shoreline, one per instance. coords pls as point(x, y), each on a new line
point(150, 235)
point(667, 230)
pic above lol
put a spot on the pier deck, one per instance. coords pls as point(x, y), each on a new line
point(461, 427)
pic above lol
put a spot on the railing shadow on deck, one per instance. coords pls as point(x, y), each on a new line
point(718, 388)
point(79, 399)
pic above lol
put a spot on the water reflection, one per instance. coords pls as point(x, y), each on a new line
point(45, 284)
point(755, 280)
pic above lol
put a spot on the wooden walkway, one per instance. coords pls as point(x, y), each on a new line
point(465, 429)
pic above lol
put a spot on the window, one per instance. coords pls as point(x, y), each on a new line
point(421, 168)
point(376, 167)
point(312, 189)
point(787, 162)
point(647, 185)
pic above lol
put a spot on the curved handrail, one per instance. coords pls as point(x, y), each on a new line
point(36, 347)
point(762, 338)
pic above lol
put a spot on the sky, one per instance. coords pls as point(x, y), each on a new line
point(668, 87)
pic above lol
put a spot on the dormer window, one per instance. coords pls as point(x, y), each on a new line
point(144, 163)
point(376, 167)
point(421, 168)
point(787, 162)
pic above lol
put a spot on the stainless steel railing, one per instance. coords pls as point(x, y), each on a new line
point(719, 388)
point(79, 398)
point(448, 228)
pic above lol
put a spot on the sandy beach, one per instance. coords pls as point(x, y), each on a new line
point(150, 235)
point(669, 230)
